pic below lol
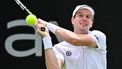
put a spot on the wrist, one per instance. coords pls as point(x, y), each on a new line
point(47, 42)
point(52, 27)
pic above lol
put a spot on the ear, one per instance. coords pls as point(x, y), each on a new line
point(72, 20)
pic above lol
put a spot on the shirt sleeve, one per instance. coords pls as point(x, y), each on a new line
point(100, 39)
point(58, 52)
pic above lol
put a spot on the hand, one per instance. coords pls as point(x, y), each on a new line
point(39, 31)
point(40, 21)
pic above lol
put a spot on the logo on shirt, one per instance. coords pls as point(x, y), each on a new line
point(68, 53)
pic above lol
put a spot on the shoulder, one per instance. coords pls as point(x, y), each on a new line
point(60, 44)
point(60, 47)
point(98, 33)
point(98, 36)
point(100, 39)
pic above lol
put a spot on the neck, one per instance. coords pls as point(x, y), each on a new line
point(81, 31)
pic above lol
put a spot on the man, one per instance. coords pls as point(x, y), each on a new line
point(82, 48)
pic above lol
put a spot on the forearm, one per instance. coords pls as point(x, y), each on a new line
point(71, 37)
point(51, 60)
point(64, 34)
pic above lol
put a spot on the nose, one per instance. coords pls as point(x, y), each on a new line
point(84, 18)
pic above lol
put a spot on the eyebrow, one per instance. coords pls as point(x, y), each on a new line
point(82, 13)
point(79, 13)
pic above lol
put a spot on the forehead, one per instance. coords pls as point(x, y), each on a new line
point(84, 11)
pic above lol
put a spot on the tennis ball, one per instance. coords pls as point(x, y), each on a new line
point(31, 19)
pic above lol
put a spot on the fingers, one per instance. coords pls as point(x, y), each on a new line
point(40, 21)
point(41, 28)
point(38, 25)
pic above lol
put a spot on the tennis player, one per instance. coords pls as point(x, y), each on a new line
point(82, 48)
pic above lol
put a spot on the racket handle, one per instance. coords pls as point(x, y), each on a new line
point(42, 29)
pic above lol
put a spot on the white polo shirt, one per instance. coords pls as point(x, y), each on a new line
point(83, 57)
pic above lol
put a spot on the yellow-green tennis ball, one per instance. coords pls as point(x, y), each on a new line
point(31, 19)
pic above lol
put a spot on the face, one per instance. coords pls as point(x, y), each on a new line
point(82, 21)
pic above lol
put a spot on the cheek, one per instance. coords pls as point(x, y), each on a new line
point(74, 21)
point(91, 24)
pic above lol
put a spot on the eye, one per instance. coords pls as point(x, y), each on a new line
point(80, 15)
point(88, 16)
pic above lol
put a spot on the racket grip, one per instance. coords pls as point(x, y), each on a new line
point(42, 29)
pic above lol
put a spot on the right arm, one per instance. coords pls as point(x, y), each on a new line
point(51, 61)
point(50, 58)
point(69, 36)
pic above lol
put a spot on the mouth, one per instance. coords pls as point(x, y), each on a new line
point(84, 24)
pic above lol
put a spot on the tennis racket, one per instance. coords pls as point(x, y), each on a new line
point(23, 7)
